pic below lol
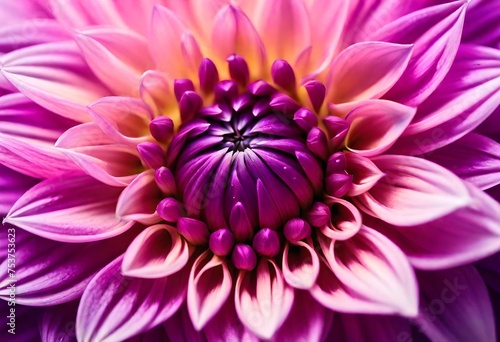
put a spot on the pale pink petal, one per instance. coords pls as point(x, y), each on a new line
point(455, 306)
point(209, 288)
point(157, 252)
point(413, 191)
point(123, 119)
point(139, 200)
point(465, 235)
point(55, 76)
point(155, 90)
point(85, 134)
point(365, 328)
point(345, 220)
point(115, 308)
point(233, 32)
point(12, 12)
point(365, 173)
point(375, 125)
point(466, 97)
point(39, 160)
point(473, 158)
point(366, 70)
point(67, 209)
point(292, 19)
point(435, 33)
point(263, 300)
point(308, 320)
point(300, 265)
point(375, 269)
point(50, 272)
point(117, 57)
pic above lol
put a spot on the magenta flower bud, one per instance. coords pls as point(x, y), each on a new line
point(169, 209)
point(337, 129)
point(181, 86)
point(189, 105)
point(297, 229)
point(318, 215)
point(284, 104)
point(208, 75)
point(305, 119)
point(267, 242)
point(225, 90)
point(238, 69)
point(317, 143)
point(221, 242)
point(261, 88)
point(338, 184)
point(165, 180)
point(337, 163)
point(194, 231)
point(240, 223)
point(316, 91)
point(243, 101)
point(261, 107)
point(152, 154)
point(161, 128)
point(244, 257)
point(283, 74)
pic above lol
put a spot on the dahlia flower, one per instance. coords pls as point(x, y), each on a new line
point(285, 170)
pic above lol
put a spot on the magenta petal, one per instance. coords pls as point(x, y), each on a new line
point(413, 191)
point(465, 235)
point(263, 285)
point(455, 306)
point(45, 279)
point(209, 287)
point(26, 327)
point(375, 269)
point(157, 252)
point(365, 173)
point(58, 323)
point(115, 307)
point(67, 209)
point(435, 32)
point(12, 186)
point(180, 328)
point(345, 220)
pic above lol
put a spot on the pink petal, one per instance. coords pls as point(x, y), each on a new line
point(473, 158)
point(234, 33)
point(375, 126)
point(435, 32)
point(58, 323)
point(209, 287)
point(86, 134)
point(301, 266)
point(366, 70)
point(157, 252)
point(263, 300)
point(365, 173)
point(375, 269)
point(308, 320)
point(116, 57)
point(293, 19)
point(413, 191)
point(455, 306)
point(44, 279)
point(115, 308)
point(35, 160)
point(67, 209)
point(55, 76)
point(466, 97)
point(139, 200)
point(465, 235)
point(123, 119)
point(155, 90)
point(14, 12)
point(345, 220)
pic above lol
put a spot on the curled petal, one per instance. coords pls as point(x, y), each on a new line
point(361, 263)
point(155, 90)
point(263, 299)
point(376, 125)
point(139, 200)
point(301, 266)
point(365, 173)
point(115, 308)
point(413, 191)
point(353, 77)
point(157, 252)
point(209, 287)
point(67, 209)
point(345, 220)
